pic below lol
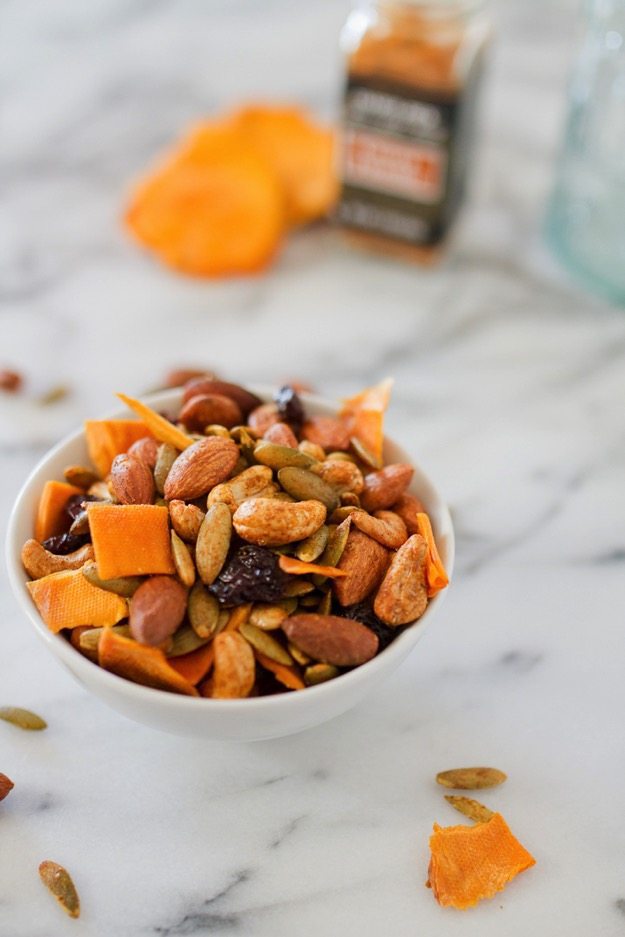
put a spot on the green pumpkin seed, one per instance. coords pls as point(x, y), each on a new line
point(341, 456)
point(471, 779)
point(265, 644)
point(90, 639)
point(203, 611)
point(325, 603)
point(216, 429)
point(334, 550)
point(341, 513)
point(306, 486)
point(184, 641)
point(309, 601)
point(213, 542)
point(185, 570)
point(245, 440)
point(165, 458)
point(364, 454)
point(470, 808)
point(81, 524)
point(80, 476)
point(297, 655)
point(22, 718)
point(125, 586)
point(267, 617)
point(310, 549)
point(298, 587)
point(319, 673)
point(279, 457)
point(162, 503)
point(60, 885)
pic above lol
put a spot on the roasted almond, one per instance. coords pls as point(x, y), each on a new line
point(200, 467)
point(234, 670)
point(281, 434)
point(6, 786)
point(407, 507)
point(245, 400)
point(204, 409)
point(157, 609)
point(262, 417)
point(331, 639)
point(402, 596)
point(342, 474)
point(385, 527)
point(327, 432)
point(365, 563)
point(146, 450)
point(131, 480)
point(270, 522)
point(39, 562)
point(213, 542)
point(179, 376)
point(382, 489)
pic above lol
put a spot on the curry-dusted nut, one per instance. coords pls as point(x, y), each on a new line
point(157, 609)
point(385, 527)
point(165, 458)
point(330, 639)
point(471, 779)
point(249, 484)
point(407, 507)
point(312, 449)
point(131, 480)
point(306, 486)
point(145, 450)
point(272, 523)
point(312, 547)
point(39, 562)
point(244, 399)
point(383, 488)
point(262, 417)
point(213, 542)
point(125, 586)
point(6, 786)
point(203, 611)
point(201, 466)
point(267, 617)
point(265, 643)
point(402, 596)
point(365, 561)
point(320, 673)
point(185, 568)
point(80, 476)
point(278, 457)
point(344, 476)
point(186, 519)
point(327, 432)
point(234, 670)
point(203, 409)
point(282, 434)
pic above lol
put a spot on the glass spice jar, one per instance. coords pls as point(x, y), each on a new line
point(413, 70)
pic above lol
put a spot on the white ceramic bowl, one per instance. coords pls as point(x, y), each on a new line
point(249, 719)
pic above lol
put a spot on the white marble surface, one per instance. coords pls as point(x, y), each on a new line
point(509, 385)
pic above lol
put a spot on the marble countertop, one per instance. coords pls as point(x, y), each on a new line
point(509, 389)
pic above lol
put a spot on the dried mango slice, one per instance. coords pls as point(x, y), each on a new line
point(51, 517)
point(364, 416)
point(287, 676)
point(141, 664)
point(195, 665)
point(470, 863)
point(130, 540)
point(68, 600)
point(435, 574)
point(214, 208)
point(288, 564)
point(301, 152)
point(158, 426)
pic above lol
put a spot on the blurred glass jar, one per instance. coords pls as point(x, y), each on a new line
point(586, 219)
point(413, 70)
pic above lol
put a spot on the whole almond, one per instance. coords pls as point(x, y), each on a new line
point(249, 484)
point(6, 786)
point(262, 417)
point(179, 376)
point(157, 609)
point(282, 434)
point(327, 432)
point(131, 481)
point(146, 450)
point(270, 522)
point(207, 385)
point(402, 596)
point(343, 475)
point(186, 519)
point(331, 639)
point(200, 467)
point(385, 526)
point(204, 409)
point(213, 542)
point(382, 489)
point(407, 507)
point(365, 563)
point(234, 669)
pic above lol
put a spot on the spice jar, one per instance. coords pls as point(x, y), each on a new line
point(413, 70)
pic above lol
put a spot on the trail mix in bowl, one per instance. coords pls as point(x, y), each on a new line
point(244, 549)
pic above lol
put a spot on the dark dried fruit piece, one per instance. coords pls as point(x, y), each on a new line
point(363, 612)
point(252, 575)
point(290, 407)
point(74, 504)
point(63, 544)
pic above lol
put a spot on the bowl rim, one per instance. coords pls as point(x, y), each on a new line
point(61, 647)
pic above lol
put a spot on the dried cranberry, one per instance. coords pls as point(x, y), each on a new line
point(65, 543)
point(289, 405)
point(363, 612)
point(251, 575)
point(73, 506)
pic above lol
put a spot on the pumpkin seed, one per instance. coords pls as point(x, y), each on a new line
point(341, 456)
point(264, 643)
point(185, 569)
point(216, 429)
point(165, 458)
point(80, 524)
point(22, 718)
point(247, 443)
point(100, 491)
point(325, 604)
point(319, 673)
point(267, 617)
point(279, 457)
point(80, 476)
point(312, 449)
point(350, 499)
point(470, 808)
point(125, 586)
point(298, 587)
point(203, 611)
point(161, 502)
point(213, 542)
point(60, 885)
point(311, 549)
point(184, 641)
point(298, 655)
point(364, 454)
point(309, 601)
point(334, 550)
point(54, 395)
point(306, 486)
point(90, 639)
point(343, 512)
point(471, 779)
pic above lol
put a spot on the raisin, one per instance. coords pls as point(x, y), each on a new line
point(363, 612)
point(289, 405)
point(63, 544)
point(252, 574)
point(73, 506)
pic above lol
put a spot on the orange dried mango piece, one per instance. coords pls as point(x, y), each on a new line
point(214, 208)
point(288, 564)
point(287, 676)
point(130, 539)
point(363, 415)
point(158, 426)
point(107, 438)
point(435, 574)
point(68, 600)
point(195, 665)
point(470, 863)
point(141, 664)
point(301, 151)
point(51, 518)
